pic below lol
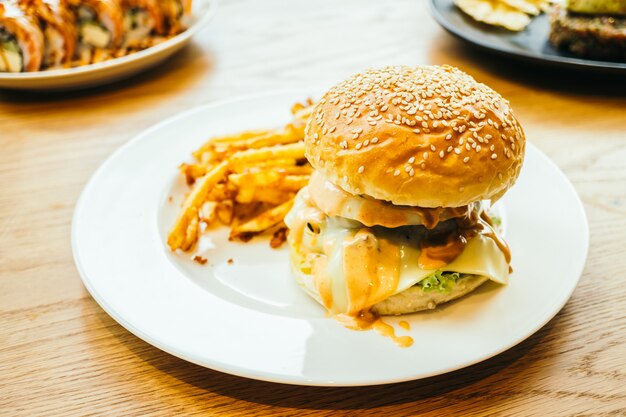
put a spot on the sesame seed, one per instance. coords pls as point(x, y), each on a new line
point(494, 156)
point(412, 172)
point(449, 136)
point(457, 151)
point(441, 154)
point(425, 155)
point(396, 173)
point(367, 142)
point(411, 160)
point(466, 159)
point(407, 168)
point(374, 140)
point(449, 149)
point(478, 148)
point(358, 146)
point(361, 169)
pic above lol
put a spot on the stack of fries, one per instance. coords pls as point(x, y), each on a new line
point(247, 181)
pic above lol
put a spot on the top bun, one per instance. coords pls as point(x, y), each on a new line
point(423, 136)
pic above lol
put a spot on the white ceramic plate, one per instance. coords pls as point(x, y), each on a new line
point(114, 69)
point(251, 319)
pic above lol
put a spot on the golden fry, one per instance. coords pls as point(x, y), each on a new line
point(292, 150)
point(207, 211)
point(254, 194)
point(209, 145)
point(191, 234)
point(178, 236)
point(192, 171)
point(263, 221)
point(265, 165)
point(269, 180)
point(224, 212)
point(222, 191)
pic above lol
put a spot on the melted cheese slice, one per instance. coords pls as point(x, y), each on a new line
point(348, 267)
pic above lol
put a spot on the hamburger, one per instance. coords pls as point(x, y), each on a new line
point(395, 217)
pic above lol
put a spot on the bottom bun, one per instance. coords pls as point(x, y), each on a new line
point(416, 299)
point(408, 301)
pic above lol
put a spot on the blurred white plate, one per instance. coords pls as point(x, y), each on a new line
point(251, 319)
point(114, 69)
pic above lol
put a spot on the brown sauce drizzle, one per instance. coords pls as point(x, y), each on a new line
point(439, 249)
point(335, 201)
point(430, 216)
point(366, 320)
point(487, 223)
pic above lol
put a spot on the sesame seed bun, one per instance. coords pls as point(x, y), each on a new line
point(424, 136)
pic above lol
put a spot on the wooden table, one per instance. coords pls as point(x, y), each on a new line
point(60, 354)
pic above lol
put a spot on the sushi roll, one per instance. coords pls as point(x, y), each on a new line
point(177, 15)
point(100, 23)
point(21, 40)
point(59, 29)
point(142, 18)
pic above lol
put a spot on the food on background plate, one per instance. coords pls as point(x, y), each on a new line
point(246, 180)
point(21, 40)
point(46, 34)
point(513, 15)
point(395, 218)
point(591, 28)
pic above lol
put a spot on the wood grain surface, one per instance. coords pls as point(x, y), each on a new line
point(60, 354)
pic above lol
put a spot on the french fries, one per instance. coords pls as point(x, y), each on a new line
point(181, 236)
point(247, 180)
point(263, 221)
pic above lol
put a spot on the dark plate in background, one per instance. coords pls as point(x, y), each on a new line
point(529, 45)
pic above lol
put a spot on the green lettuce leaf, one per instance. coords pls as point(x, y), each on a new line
point(442, 281)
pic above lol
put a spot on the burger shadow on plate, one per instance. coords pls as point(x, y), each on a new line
point(418, 395)
point(178, 72)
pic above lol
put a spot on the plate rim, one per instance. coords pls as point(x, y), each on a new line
point(553, 60)
point(272, 376)
point(199, 24)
